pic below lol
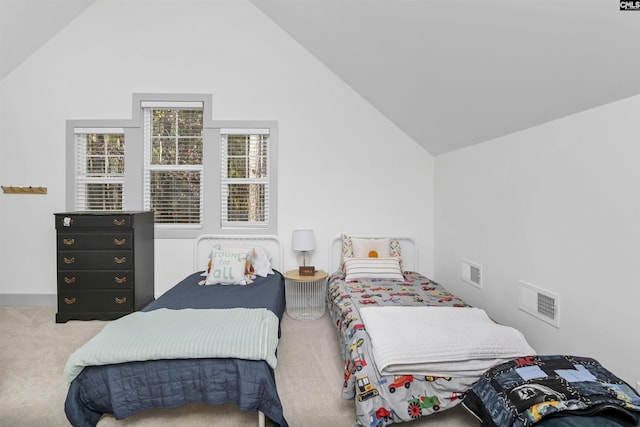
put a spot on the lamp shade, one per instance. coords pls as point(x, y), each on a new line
point(303, 240)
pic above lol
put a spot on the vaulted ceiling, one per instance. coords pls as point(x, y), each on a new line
point(448, 73)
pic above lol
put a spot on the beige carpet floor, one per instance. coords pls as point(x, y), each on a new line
point(34, 350)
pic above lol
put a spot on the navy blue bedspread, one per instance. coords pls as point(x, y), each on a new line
point(127, 388)
point(259, 294)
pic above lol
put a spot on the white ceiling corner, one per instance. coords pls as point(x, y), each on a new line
point(25, 25)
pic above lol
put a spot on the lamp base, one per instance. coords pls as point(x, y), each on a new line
point(307, 270)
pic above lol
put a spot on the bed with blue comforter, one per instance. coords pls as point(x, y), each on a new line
point(145, 382)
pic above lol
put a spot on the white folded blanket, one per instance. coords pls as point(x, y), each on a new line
point(439, 341)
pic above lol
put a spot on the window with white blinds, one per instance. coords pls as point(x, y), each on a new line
point(173, 166)
point(198, 175)
point(245, 176)
point(100, 162)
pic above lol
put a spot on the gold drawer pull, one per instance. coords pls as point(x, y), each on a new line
point(120, 300)
point(120, 260)
point(119, 221)
point(70, 280)
point(119, 242)
point(70, 301)
point(69, 242)
point(120, 280)
point(69, 260)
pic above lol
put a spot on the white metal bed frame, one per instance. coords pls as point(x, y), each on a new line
point(204, 243)
point(408, 249)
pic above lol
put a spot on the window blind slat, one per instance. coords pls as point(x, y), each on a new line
point(172, 105)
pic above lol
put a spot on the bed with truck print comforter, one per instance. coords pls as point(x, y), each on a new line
point(386, 399)
point(383, 396)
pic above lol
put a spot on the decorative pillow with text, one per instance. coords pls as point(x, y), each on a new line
point(228, 267)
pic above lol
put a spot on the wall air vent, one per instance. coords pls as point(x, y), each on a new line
point(539, 303)
point(471, 273)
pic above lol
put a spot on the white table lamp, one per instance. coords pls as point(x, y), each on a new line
point(304, 241)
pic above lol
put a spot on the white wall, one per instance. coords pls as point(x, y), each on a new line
point(342, 166)
point(557, 206)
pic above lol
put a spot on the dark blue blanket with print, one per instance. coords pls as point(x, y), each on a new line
point(528, 390)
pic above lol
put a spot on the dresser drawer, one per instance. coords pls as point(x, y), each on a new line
point(94, 260)
point(95, 301)
point(111, 240)
point(72, 222)
point(84, 280)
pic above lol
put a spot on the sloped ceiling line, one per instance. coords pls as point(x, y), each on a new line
point(449, 74)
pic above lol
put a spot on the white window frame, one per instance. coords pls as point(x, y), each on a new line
point(133, 198)
point(82, 177)
point(226, 181)
point(147, 108)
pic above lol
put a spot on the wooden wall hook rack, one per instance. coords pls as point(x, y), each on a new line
point(24, 190)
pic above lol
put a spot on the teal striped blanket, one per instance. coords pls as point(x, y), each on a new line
point(241, 333)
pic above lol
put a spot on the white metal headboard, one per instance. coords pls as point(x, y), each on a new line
point(407, 246)
point(206, 242)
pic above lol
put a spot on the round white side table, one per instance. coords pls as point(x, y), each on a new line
point(305, 295)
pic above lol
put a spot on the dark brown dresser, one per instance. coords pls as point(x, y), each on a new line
point(105, 264)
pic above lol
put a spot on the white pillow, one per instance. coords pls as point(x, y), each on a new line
point(261, 262)
point(371, 248)
point(373, 268)
point(228, 267)
point(218, 246)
